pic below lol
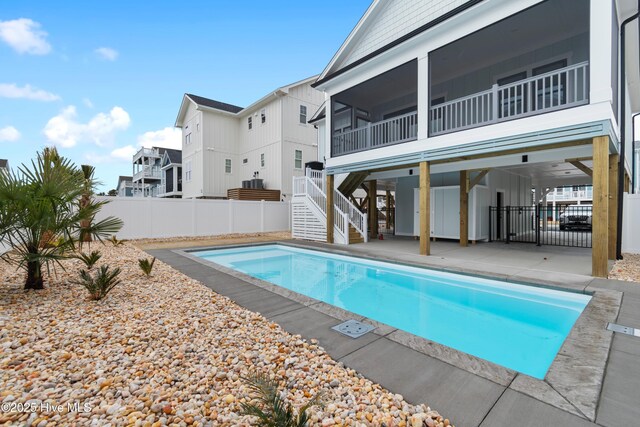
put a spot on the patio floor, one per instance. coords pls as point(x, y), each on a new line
point(468, 398)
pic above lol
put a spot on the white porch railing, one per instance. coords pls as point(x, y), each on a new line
point(356, 218)
point(148, 172)
point(558, 89)
point(345, 212)
point(317, 177)
point(378, 134)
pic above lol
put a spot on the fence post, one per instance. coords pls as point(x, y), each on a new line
point(490, 222)
point(508, 225)
point(538, 207)
point(262, 216)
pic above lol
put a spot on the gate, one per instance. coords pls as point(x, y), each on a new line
point(562, 226)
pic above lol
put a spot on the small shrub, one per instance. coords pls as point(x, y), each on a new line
point(100, 284)
point(114, 240)
point(146, 266)
point(271, 409)
point(90, 259)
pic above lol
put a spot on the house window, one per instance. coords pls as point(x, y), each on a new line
point(297, 162)
point(187, 171)
point(263, 115)
point(227, 165)
point(303, 114)
point(262, 160)
point(249, 123)
point(187, 139)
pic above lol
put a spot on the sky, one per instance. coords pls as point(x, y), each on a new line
point(98, 80)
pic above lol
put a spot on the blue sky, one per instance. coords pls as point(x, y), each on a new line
point(98, 79)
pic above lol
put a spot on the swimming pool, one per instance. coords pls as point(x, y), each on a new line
point(517, 326)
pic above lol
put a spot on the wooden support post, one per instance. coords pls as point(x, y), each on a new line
point(600, 214)
point(464, 208)
point(373, 209)
point(425, 209)
point(387, 221)
point(330, 209)
point(613, 204)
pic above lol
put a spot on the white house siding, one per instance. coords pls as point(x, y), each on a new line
point(394, 19)
point(263, 138)
point(192, 152)
point(220, 133)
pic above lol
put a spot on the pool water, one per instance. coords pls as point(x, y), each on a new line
point(517, 326)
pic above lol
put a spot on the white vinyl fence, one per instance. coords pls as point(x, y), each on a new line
point(631, 224)
point(151, 217)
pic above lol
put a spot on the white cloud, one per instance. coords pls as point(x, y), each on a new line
point(24, 36)
point(11, 90)
point(167, 138)
point(9, 133)
point(66, 131)
point(107, 53)
point(87, 102)
point(124, 153)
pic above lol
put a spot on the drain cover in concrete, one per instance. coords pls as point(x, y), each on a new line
point(628, 330)
point(353, 328)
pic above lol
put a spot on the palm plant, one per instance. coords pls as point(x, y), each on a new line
point(271, 409)
point(38, 205)
point(114, 240)
point(146, 266)
point(89, 259)
point(100, 284)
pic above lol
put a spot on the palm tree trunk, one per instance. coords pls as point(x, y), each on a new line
point(34, 276)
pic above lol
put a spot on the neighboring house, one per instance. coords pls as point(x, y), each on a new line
point(147, 172)
point(224, 145)
point(125, 186)
point(171, 182)
point(4, 166)
point(471, 104)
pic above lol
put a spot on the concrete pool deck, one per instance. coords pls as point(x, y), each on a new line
point(486, 396)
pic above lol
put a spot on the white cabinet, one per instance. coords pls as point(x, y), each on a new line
point(445, 212)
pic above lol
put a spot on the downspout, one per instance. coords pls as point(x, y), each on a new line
point(621, 170)
point(633, 159)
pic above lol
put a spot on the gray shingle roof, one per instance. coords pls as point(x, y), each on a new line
point(175, 156)
point(214, 104)
point(124, 178)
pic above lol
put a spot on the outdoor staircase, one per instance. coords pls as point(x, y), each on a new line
point(354, 235)
point(352, 182)
point(309, 212)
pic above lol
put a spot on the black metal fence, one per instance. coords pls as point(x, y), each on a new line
point(562, 226)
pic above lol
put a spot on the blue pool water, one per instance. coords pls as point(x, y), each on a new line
point(516, 326)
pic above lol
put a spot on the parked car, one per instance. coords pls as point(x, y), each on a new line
point(576, 217)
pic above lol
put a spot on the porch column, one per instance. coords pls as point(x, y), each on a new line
point(600, 216)
point(329, 208)
point(387, 221)
point(613, 204)
point(373, 209)
point(425, 209)
point(464, 208)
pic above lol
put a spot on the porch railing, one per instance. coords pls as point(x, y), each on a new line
point(555, 90)
point(378, 134)
point(317, 177)
point(353, 214)
point(148, 172)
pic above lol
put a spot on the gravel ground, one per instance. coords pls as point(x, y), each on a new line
point(163, 351)
point(627, 268)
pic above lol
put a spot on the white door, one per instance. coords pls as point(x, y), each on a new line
point(416, 211)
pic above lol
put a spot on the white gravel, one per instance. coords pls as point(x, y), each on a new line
point(162, 351)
